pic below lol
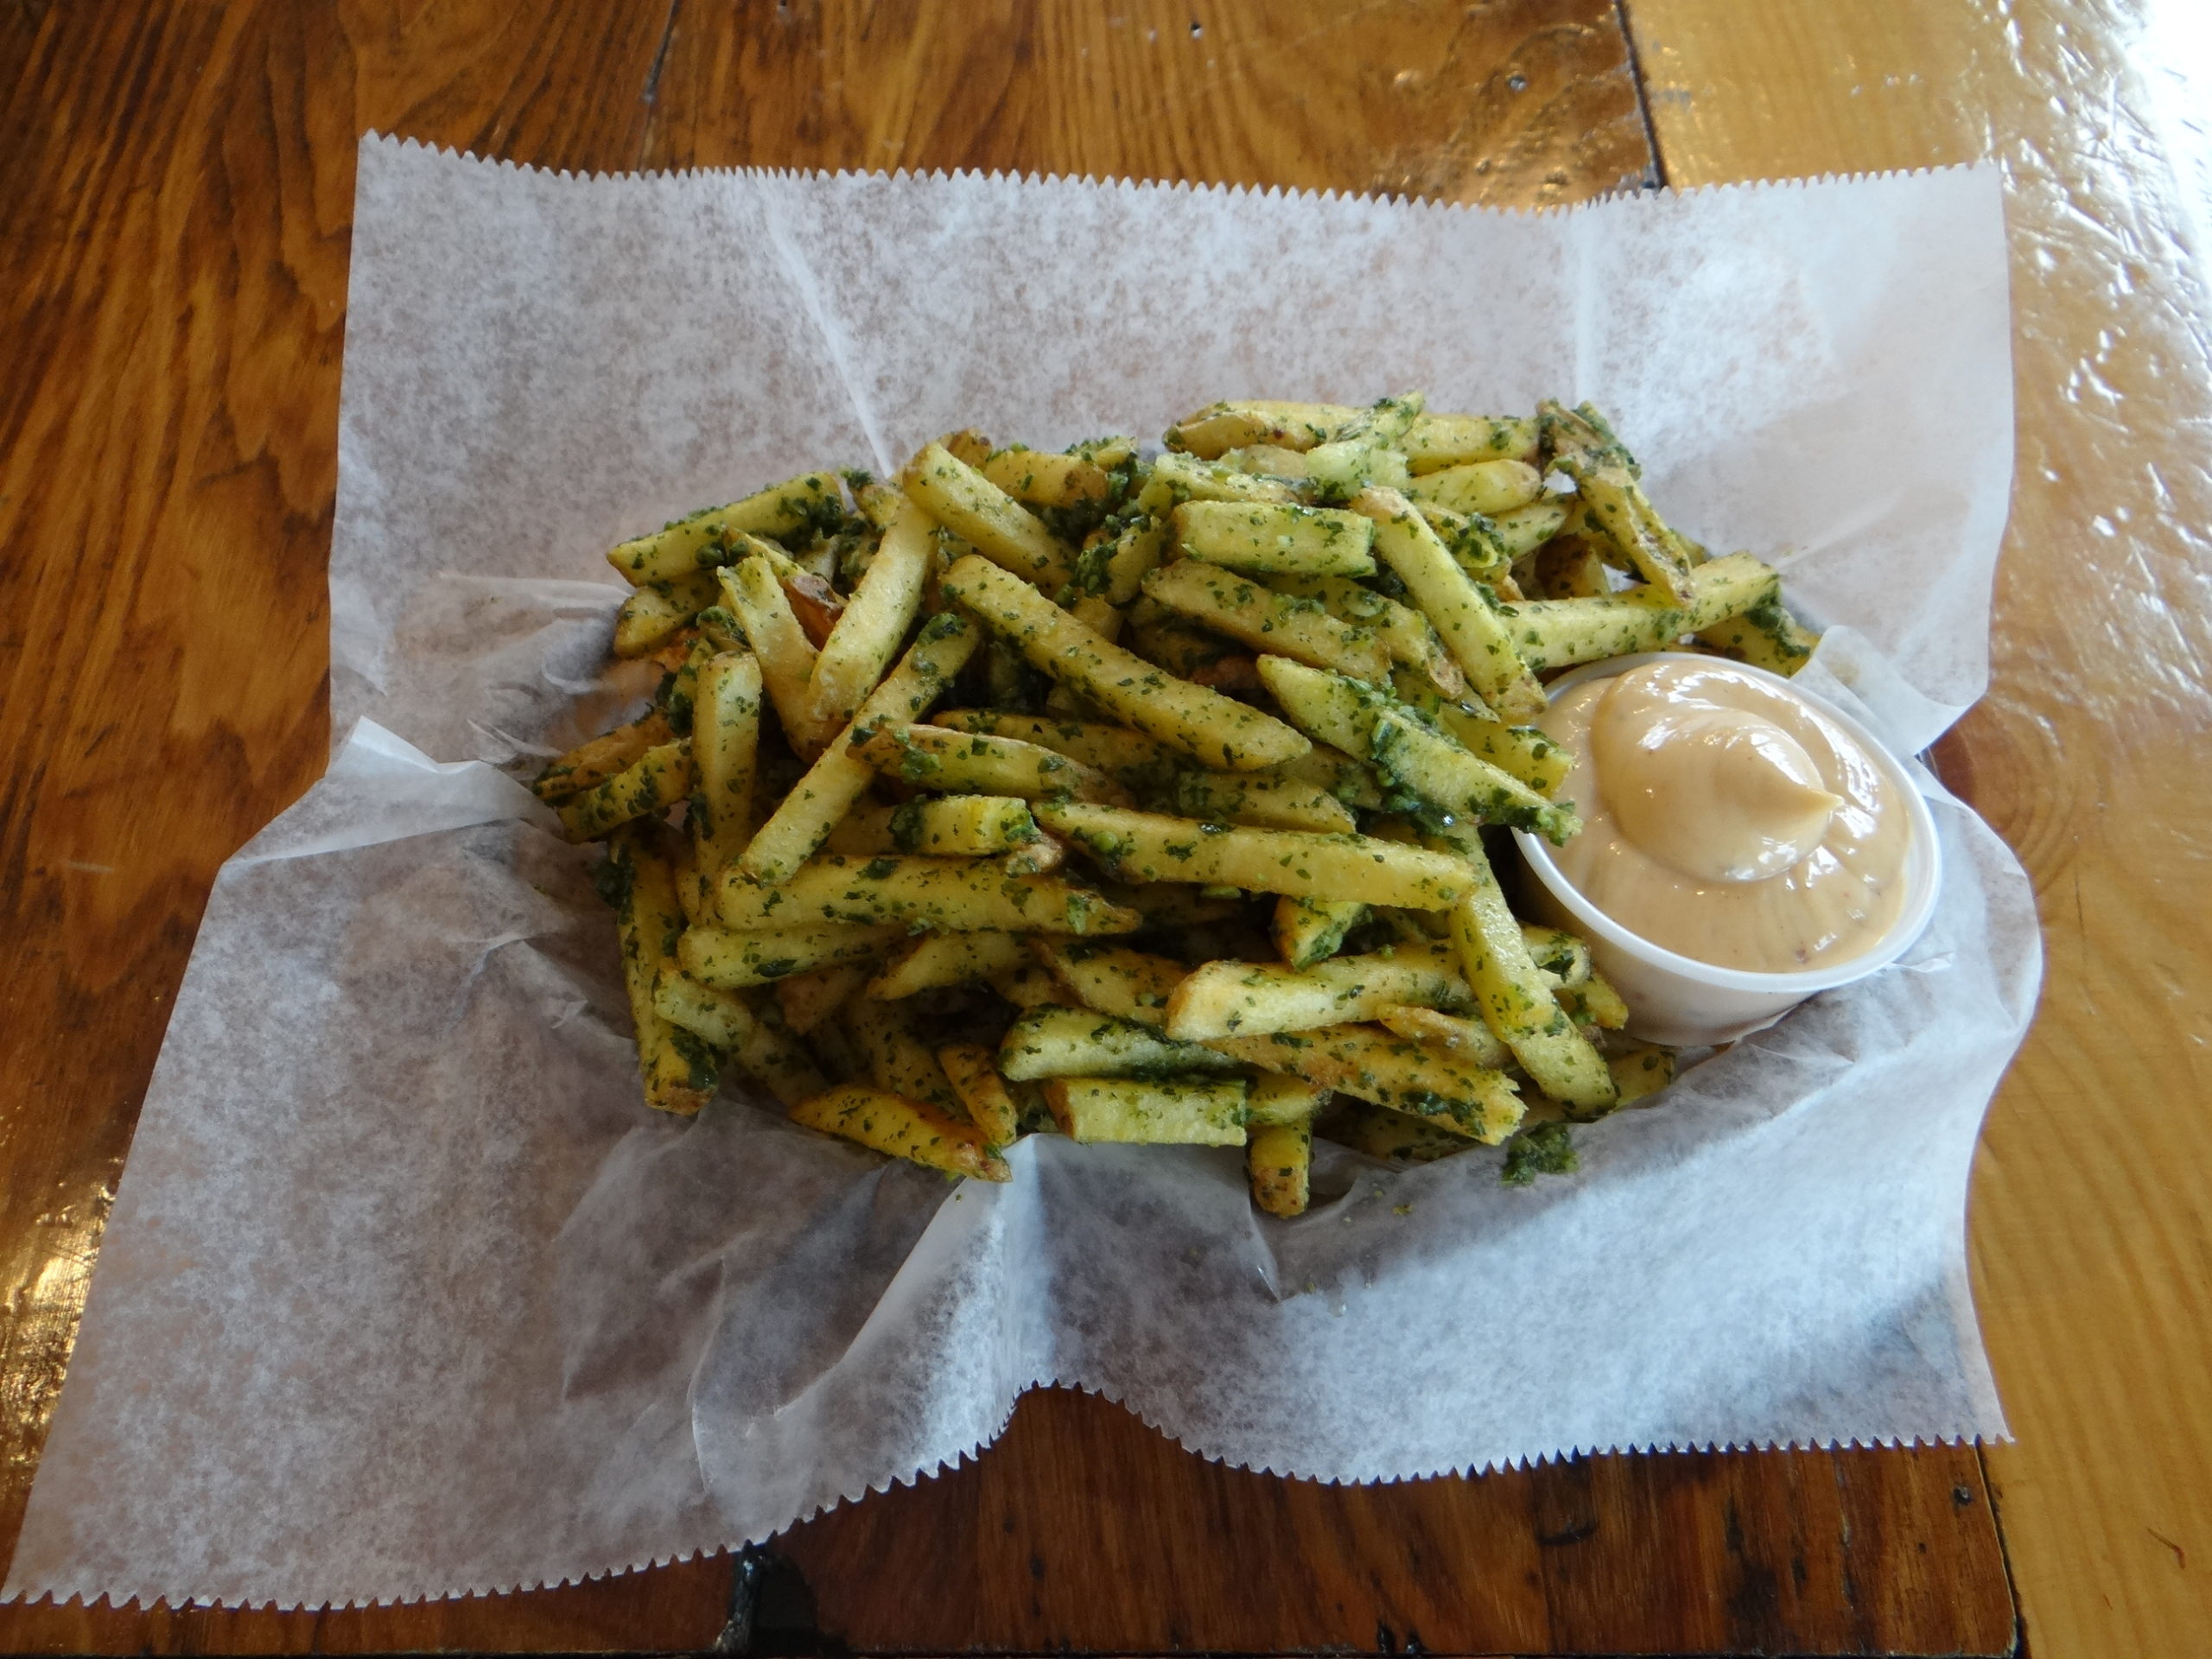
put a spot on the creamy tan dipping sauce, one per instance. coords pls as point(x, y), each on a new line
point(1727, 820)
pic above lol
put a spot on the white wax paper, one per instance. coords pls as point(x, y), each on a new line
point(404, 1293)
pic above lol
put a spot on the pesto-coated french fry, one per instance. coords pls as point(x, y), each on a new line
point(949, 826)
point(1488, 487)
point(933, 757)
point(1249, 610)
point(860, 649)
point(1062, 1042)
point(1558, 632)
point(1380, 1133)
point(1435, 441)
point(1039, 478)
point(1405, 633)
point(753, 1037)
point(650, 616)
point(1570, 569)
point(1515, 1000)
point(1475, 634)
point(839, 778)
point(1410, 757)
point(756, 598)
point(1278, 1161)
point(911, 1129)
point(1766, 636)
point(1029, 986)
point(1249, 999)
point(657, 780)
point(1613, 500)
point(1524, 751)
point(990, 1103)
point(1307, 930)
point(1214, 729)
point(589, 764)
point(1278, 1097)
point(898, 1059)
point(1562, 955)
point(702, 539)
point(935, 960)
point(732, 960)
point(1264, 537)
point(1111, 978)
point(680, 1072)
point(1367, 1061)
point(1221, 427)
point(1180, 1113)
point(806, 1000)
point(725, 742)
point(1268, 803)
point(1593, 1002)
point(1471, 1038)
point(1148, 847)
point(953, 895)
point(1130, 759)
point(1364, 450)
point(1116, 567)
point(1176, 479)
point(999, 527)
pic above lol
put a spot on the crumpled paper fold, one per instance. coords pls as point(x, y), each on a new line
point(405, 1293)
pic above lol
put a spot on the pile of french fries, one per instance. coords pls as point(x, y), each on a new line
point(1140, 797)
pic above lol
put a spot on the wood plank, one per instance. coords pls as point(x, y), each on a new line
point(1859, 1551)
point(2092, 1204)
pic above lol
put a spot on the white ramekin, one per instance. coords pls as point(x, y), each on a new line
point(1676, 1000)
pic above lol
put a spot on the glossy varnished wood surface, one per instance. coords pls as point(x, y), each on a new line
point(2091, 1219)
point(177, 186)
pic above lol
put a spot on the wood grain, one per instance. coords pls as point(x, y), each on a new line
point(2091, 1222)
point(178, 184)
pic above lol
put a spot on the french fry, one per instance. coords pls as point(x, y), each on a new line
point(1250, 611)
point(1062, 1042)
point(754, 595)
point(1116, 567)
point(1278, 1097)
point(969, 446)
point(935, 960)
point(589, 764)
point(651, 616)
point(839, 778)
point(1261, 538)
point(1266, 460)
point(952, 826)
point(1029, 986)
point(1204, 724)
point(1766, 636)
point(725, 743)
point(1130, 759)
point(1148, 847)
point(1039, 479)
point(1524, 751)
point(999, 527)
point(656, 781)
point(754, 1039)
point(1558, 632)
point(1249, 999)
point(1405, 633)
point(860, 649)
point(1488, 487)
point(1183, 1113)
point(1435, 441)
point(702, 540)
point(1614, 501)
point(897, 1059)
point(1333, 772)
point(1220, 426)
point(1514, 998)
point(731, 961)
point(933, 757)
point(1570, 569)
point(1641, 1070)
point(1593, 1002)
point(911, 1129)
point(953, 895)
point(680, 1072)
point(1471, 1038)
point(990, 1103)
point(1111, 979)
point(1175, 478)
point(1267, 803)
point(1409, 756)
point(1476, 635)
point(1277, 1162)
point(807, 998)
point(1557, 952)
point(1367, 1061)
point(1307, 930)
point(1380, 1133)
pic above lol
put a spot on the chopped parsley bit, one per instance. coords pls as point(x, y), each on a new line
point(1541, 1149)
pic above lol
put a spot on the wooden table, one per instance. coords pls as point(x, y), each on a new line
point(175, 188)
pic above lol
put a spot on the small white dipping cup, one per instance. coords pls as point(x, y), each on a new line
point(1685, 1004)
